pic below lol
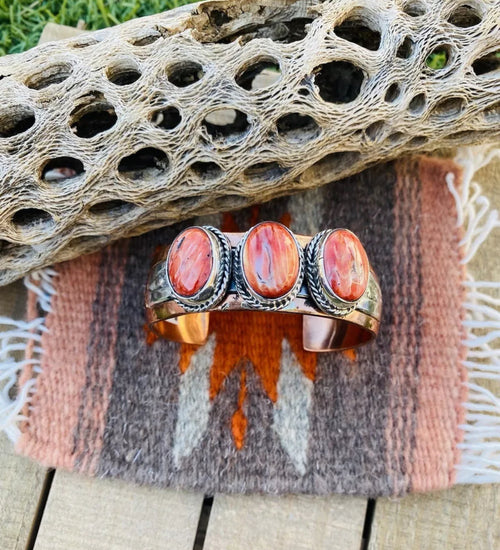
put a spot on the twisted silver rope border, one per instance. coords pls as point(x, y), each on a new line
point(221, 284)
point(253, 300)
point(314, 283)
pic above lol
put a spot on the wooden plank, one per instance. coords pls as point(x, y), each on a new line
point(83, 513)
point(288, 523)
point(461, 518)
point(12, 301)
point(21, 483)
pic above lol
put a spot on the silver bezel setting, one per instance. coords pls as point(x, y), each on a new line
point(319, 288)
point(252, 299)
point(217, 285)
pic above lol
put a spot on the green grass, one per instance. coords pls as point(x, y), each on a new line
point(437, 60)
point(22, 21)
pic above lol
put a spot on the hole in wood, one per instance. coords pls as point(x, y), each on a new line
point(184, 73)
point(144, 164)
point(492, 113)
point(265, 171)
point(187, 203)
point(449, 107)
point(259, 74)
point(28, 218)
point(146, 39)
point(61, 169)
point(53, 74)
point(338, 81)
point(297, 29)
point(414, 9)
point(218, 17)
point(417, 104)
point(87, 242)
point(226, 122)
point(84, 42)
point(123, 72)
point(231, 202)
point(376, 130)
point(439, 58)
point(396, 137)
point(358, 29)
point(4, 245)
point(206, 170)
point(282, 32)
point(405, 49)
point(111, 208)
point(488, 63)
point(335, 163)
point(16, 120)
point(13, 250)
point(168, 118)
point(464, 135)
point(93, 115)
point(393, 93)
point(465, 16)
point(297, 128)
point(418, 141)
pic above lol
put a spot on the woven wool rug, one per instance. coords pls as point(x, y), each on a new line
point(250, 411)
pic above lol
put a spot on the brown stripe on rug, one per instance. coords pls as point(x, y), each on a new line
point(405, 345)
point(137, 440)
point(101, 357)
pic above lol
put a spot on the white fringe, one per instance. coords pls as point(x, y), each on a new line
point(480, 449)
point(13, 344)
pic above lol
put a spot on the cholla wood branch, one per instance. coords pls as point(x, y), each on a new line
point(218, 105)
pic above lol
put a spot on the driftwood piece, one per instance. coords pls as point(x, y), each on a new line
point(217, 105)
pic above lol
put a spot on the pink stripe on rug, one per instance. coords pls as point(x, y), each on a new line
point(59, 385)
point(441, 390)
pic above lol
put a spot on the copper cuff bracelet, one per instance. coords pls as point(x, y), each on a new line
point(326, 278)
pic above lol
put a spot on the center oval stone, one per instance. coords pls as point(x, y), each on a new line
point(190, 261)
point(345, 265)
point(270, 260)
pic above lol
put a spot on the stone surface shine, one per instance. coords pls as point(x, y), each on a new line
point(190, 261)
point(345, 265)
point(270, 260)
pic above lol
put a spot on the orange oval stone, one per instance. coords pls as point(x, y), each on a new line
point(190, 261)
point(270, 260)
point(346, 265)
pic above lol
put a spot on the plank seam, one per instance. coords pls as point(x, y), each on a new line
point(367, 526)
point(42, 503)
point(201, 530)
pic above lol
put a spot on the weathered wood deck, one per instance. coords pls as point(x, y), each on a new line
point(49, 510)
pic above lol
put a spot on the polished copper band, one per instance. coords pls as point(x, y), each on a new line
point(322, 330)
